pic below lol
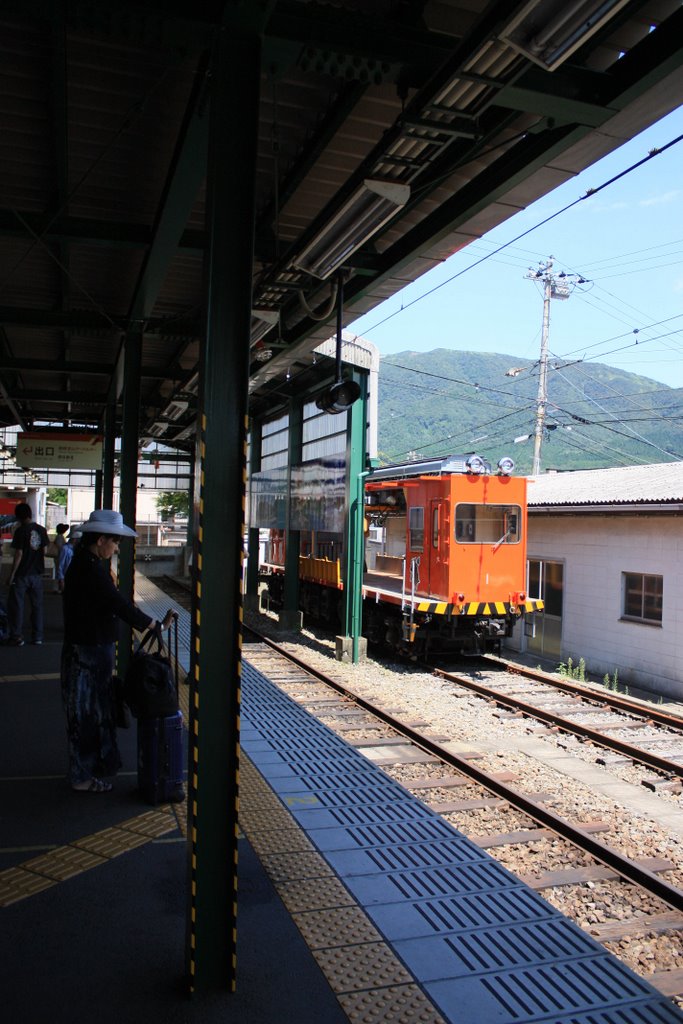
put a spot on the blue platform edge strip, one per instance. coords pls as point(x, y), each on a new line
point(484, 947)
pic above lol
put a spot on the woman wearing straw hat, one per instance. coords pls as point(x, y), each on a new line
point(93, 607)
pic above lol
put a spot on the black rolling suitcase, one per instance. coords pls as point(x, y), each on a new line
point(161, 747)
point(161, 758)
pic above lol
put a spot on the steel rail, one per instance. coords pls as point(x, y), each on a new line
point(625, 868)
point(612, 700)
point(661, 764)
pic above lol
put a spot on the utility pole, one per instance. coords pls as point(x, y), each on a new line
point(554, 287)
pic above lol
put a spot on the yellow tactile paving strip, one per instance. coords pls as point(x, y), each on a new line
point(64, 862)
point(369, 980)
point(33, 675)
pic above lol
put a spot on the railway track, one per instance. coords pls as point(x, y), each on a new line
point(601, 718)
point(552, 853)
point(633, 904)
point(607, 720)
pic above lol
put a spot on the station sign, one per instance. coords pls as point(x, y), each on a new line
point(55, 450)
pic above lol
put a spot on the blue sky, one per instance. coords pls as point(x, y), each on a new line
point(627, 241)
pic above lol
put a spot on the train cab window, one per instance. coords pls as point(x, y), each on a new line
point(435, 526)
point(488, 524)
point(416, 525)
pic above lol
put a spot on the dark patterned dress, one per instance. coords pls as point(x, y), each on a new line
point(90, 716)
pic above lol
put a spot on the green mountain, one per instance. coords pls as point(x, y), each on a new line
point(435, 403)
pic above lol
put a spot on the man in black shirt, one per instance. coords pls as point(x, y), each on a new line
point(26, 576)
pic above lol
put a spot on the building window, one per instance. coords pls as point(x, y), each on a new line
point(642, 597)
point(417, 528)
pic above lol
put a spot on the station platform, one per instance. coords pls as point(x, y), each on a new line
point(356, 902)
point(93, 887)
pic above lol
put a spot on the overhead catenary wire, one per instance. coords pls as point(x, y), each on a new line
point(546, 220)
point(519, 412)
point(634, 435)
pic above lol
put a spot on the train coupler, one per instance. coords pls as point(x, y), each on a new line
point(409, 631)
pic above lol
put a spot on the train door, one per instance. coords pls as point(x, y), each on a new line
point(544, 629)
point(438, 549)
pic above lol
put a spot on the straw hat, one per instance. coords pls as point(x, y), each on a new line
point(105, 520)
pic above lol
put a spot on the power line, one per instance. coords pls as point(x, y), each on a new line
point(589, 194)
point(634, 435)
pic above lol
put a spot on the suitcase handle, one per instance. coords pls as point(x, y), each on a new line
point(149, 637)
point(175, 647)
point(154, 633)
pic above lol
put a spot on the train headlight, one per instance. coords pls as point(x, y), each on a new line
point(475, 464)
point(506, 466)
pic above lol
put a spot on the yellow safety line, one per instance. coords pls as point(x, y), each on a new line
point(59, 863)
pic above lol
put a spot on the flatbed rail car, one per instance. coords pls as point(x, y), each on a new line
point(450, 574)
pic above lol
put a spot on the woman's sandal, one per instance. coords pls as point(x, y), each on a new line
point(92, 786)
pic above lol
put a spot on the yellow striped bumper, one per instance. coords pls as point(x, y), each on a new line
point(478, 608)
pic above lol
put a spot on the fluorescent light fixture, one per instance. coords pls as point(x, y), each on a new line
point(157, 429)
point(370, 207)
point(265, 320)
point(549, 31)
point(174, 410)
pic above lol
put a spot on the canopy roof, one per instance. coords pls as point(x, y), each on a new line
point(391, 135)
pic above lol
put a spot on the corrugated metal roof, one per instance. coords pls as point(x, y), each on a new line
point(643, 485)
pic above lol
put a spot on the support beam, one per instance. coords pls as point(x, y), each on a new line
point(185, 176)
point(290, 616)
point(356, 433)
point(132, 354)
point(215, 686)
point(251, 599)
point(108, 452)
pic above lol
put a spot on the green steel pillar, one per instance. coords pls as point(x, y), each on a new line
point(215, 683)
point(190, 532)
point(290, 617)
point(98, 489)
point(108, 454)
point(132, 365)
point(251, 594)
point(356, 444)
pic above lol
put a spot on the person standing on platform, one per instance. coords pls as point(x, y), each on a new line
point(54, 550)
point(63, 560)
point(93, 607)
point(60, 536)
point(26, 576)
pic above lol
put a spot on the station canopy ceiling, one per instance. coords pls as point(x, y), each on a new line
point(392, 133)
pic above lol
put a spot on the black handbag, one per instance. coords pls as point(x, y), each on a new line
point(150, 686)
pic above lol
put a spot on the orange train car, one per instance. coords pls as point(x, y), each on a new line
point(445, 563)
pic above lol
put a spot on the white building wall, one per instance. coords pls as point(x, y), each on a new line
point(595, 551)
point(81, 502)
